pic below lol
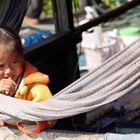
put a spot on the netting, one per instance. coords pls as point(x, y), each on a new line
point(115, 78)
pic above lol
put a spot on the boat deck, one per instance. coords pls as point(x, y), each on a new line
point(14, 134)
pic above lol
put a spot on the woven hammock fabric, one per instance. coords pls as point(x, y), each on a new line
point(115, 78)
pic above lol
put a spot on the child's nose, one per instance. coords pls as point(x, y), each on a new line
point(8, 71)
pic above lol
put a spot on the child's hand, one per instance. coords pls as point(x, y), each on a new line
point(8, 86)
point(2, 123)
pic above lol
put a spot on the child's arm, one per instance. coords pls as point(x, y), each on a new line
point(2, 123)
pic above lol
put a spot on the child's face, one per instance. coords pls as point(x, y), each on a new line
point(10, 64)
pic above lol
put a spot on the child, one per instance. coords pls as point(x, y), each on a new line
point(20, 79)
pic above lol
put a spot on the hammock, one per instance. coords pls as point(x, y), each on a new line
point(115, 78)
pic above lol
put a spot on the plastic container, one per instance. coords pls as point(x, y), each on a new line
point(129, 34)
point(35, 37)
point(98, 54)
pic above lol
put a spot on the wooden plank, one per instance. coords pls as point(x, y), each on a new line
point(8, 134)
point(14, 134)
point(63, 17)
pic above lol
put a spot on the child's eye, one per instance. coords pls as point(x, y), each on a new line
point(14, 62)
point(1, 66)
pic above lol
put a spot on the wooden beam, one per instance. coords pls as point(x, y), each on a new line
point(14, 134)
point(109, 15)
point(63, 17)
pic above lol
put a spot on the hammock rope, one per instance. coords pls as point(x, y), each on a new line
point(116, 77)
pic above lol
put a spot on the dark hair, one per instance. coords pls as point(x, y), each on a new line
point(9, 36)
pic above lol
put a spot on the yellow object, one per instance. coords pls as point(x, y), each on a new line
point(33, 87)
